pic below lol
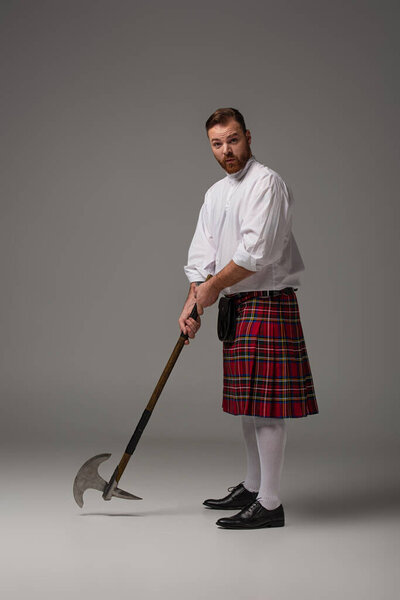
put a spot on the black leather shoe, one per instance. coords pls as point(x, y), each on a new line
point(239, 497)
point(254, 516)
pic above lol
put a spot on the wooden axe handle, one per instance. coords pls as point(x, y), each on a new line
point(133, 442)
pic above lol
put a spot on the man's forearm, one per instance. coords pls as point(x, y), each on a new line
point(230, 275)
point(191, 296)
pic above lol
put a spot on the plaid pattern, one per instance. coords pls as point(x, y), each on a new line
point(266, 368)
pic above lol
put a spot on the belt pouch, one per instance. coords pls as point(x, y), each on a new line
point(226, 328)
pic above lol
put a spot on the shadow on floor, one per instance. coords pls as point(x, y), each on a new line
point(175, 510)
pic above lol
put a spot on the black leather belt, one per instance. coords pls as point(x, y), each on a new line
point(263, 293)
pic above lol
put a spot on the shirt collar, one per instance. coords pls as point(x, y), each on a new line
point(238, 176)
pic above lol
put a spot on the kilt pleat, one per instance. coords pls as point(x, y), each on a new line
point(266, 368)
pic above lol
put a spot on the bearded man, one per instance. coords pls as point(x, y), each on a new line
point(244, 240)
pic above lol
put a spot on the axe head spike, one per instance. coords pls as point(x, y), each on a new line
point(118, 493)
point(88, 478)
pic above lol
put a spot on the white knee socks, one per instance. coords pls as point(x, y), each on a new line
point(253, 473)
point(265, 440)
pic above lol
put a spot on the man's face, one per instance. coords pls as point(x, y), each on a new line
point(230, 146)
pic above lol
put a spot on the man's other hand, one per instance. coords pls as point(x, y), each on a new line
point(187, 325)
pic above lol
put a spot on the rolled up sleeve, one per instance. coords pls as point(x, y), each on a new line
point(266, 224)
point(201, 255)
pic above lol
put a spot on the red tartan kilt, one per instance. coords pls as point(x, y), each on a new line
point(266, 369)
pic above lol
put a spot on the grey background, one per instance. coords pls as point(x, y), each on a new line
point(105, 164)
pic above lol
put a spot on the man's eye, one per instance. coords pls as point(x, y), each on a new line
point(234, 141)
point(216, 145)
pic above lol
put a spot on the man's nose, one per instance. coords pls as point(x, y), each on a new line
point(226, 149)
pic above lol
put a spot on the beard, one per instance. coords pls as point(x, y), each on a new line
point(236, 163)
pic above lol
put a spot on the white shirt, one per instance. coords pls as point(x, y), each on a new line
point(247, 217)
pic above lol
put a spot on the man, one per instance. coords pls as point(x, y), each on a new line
point(244, 240)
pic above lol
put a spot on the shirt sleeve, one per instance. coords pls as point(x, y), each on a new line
point(201, 255)
point(266, 224)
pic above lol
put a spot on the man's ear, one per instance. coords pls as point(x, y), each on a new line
point(248, 136)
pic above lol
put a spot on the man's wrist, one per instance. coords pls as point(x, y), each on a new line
point(193, 286)
point(215, 283)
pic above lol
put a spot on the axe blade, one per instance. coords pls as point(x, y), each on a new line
point(88, 478)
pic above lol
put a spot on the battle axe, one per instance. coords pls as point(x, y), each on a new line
point(88, 476)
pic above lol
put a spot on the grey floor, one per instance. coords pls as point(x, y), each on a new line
point(341, 539)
